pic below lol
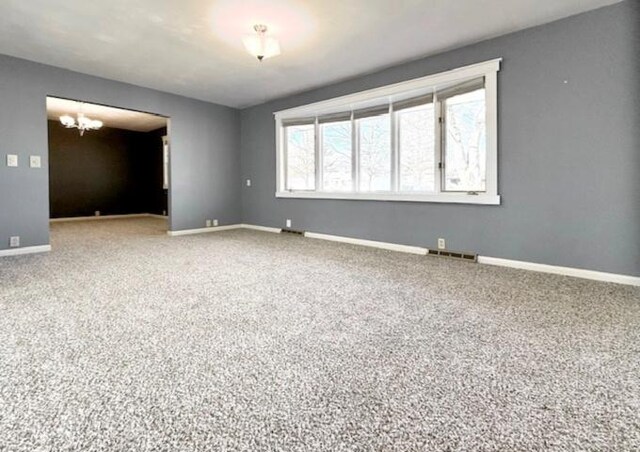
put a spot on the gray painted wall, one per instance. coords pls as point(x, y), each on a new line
point(204, 161)
point(569, 154)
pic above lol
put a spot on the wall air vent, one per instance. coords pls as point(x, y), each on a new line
point(292, 231)
point(469, 257)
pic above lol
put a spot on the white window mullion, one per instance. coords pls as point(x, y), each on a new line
point(318, 155)
point(355, 164)
point(438, 148)
point(395, 155)
point(283, 164)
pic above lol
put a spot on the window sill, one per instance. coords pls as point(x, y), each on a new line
point(449, 198)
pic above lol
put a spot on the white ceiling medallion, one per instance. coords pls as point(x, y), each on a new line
point(82, 123)
point(260, 45)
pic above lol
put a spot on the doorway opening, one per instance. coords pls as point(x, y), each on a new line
point(107, 163)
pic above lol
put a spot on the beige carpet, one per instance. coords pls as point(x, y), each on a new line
point(124, 339)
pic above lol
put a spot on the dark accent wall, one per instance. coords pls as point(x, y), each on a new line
point(113, 171)
point(568, 157)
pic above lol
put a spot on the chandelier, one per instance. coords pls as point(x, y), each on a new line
point(82, 122)
point(260, 45)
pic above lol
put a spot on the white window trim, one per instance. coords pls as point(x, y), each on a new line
point(390, 93)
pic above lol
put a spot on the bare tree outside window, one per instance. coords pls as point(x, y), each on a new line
point(301, 165)
point(465, 146)
point(416, 143)
point(336, 156)
point(374, 135)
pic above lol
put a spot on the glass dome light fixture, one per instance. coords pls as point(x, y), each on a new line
point(82, 122)
point(260, 45)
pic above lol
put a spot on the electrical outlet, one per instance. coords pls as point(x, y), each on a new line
point(248, 182)
point(442, 244)
point(208, 223)
point(12, 160)
point(97, 213)
point(164, 213)
point(14, 242)
point(215, 222)
point(288, 223)
point(35, 161)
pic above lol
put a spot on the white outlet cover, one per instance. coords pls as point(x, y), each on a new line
point(288, 223)
point(35, 161)
point(215, 222)
point(248, 182)
point(442, 244)
point(14, 241)
point(208, 223)
point(12, 160)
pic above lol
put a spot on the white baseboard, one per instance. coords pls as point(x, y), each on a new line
point(370, 243)
point(25, 250)
point(261, 228)
point(566, 271)
point(223, 228)
point(556, 270)
point(203, 230)
point(106, 217)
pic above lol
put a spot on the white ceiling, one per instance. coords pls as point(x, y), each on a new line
point(194, 48)
point(110, 116)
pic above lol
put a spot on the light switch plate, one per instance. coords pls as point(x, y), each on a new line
point(12, 160)
point(35, 161)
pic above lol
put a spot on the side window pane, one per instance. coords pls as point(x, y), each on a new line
point(416, 143)
point(336, 156)
point(465, 142)
point(374, 136)
point(301, 164)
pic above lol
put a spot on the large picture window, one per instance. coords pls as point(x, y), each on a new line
point(432, 139)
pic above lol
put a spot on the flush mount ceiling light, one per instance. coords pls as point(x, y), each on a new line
point(260, 45)
point(82, 123)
